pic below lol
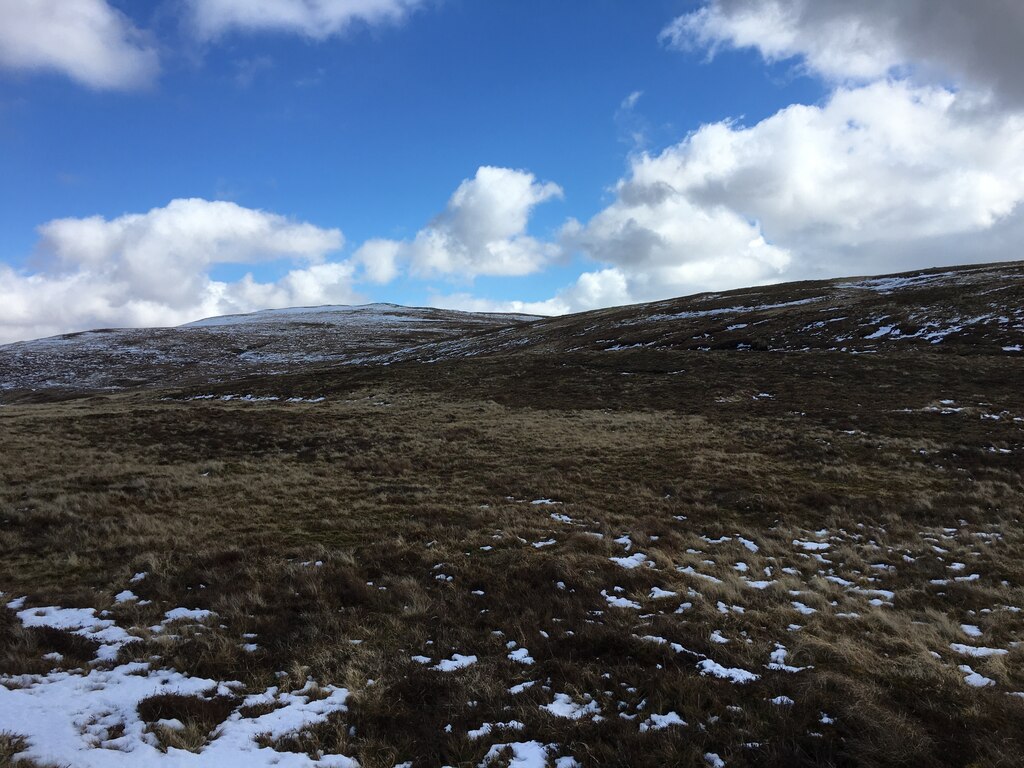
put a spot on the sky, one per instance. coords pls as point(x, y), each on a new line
point(167, 160)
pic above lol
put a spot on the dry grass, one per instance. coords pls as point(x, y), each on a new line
point(394, 520)
point(11, 745)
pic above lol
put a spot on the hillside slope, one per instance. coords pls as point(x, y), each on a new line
point(259, 343)
point(971, 310)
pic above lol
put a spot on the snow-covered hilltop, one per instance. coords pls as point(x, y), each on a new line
point(232, 346)
point(379, 317)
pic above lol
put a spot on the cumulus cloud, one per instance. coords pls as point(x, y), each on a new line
point(896, 169)
point(604, 288)
point(882, 177)
point(316, 19)
point(482, 231)
point(87, 40)
point(977, 42)
point(467, 302)
point(154, 269)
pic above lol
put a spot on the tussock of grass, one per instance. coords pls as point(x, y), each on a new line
point(11, 745)
point(199, 716)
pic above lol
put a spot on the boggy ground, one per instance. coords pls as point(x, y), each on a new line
point(628, 559)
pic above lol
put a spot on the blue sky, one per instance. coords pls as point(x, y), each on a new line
point(362, 128)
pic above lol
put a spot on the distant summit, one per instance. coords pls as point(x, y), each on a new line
point(348, 314)
point(232, 346)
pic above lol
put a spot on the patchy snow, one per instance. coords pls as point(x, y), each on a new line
point(192, 614)
point(522, 655)
point(885, 330)
point(689, 570)
point(806, 610)
point(840, 581)
point(732, 674)
point(674, 646)
point(880, 595)
point(487, 728)
point(564, 706)
point(778, 660)
point(619, 602)
point(633, 561)
point(89, 718)
point(890, 284)
point(457, 661)
point(79, 621)
point(811, 546)
point(975, 679)
point(977, 652)
point(527, 754)
point(91, 721)
point(659, 722)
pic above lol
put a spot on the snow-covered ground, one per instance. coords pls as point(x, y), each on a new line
point(89, 717)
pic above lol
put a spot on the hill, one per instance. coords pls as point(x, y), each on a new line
point(782, 526)
point(218, 348)
point(973, 310)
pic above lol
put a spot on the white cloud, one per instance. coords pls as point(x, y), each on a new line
point(886, 174)
point(605, 288)
point(879, 178)
point(317, 19)
point(153, 269)
point(482, 231)
point(630, 101)
point(379, 260)
point(466, 302)
point(885, 162)
point(87, 40)
point(977, 43)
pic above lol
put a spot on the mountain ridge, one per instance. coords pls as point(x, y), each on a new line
point(973, 309)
